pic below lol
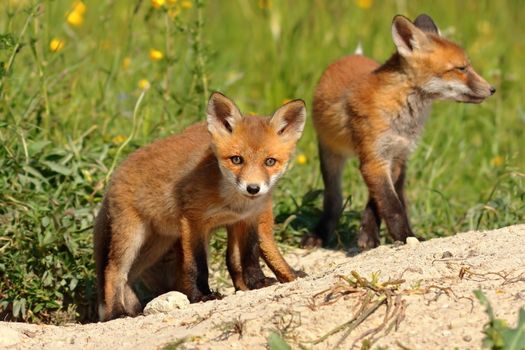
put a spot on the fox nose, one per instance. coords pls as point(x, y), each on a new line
point(492, 90)
point(253, 189)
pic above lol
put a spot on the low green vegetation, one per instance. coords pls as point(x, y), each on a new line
point(71, 75)
point(498, 335)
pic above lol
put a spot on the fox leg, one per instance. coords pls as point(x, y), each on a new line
point(269, 250)
point(126, 240)
point(378, 178)
point(332, 166)
point(242, 258)
point(370, 223)
point(192, 271)
point(399, 174)
point(157, 265)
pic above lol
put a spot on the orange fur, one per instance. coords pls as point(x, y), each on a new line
point(166, 199)
point(377, 112)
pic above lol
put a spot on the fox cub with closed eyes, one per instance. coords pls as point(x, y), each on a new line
point(171, 195)
point(376, 113)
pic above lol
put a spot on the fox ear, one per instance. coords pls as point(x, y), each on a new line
point(407, 37)
point(288, 121)
point(222, 114)
point(426, 24)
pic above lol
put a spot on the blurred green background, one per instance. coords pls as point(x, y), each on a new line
point(82, 84)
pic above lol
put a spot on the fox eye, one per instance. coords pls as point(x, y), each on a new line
point(462, 69)
point(237, 160)
point(270, 161)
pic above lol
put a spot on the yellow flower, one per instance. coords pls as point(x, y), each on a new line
point(56, 45)
point(155, 55)
point(126, 62)
point(174, 11)
point(75, 18)
point(301, 159)
point(79, 7)
point(364, 4)
point(144, 84)
point(186, 4)
point(497, 161)
point(157, 3)
point(119, 139)
point(87, 175)
point(171, 2)
point(265, 4)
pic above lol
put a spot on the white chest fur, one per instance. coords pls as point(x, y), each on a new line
point(405, 128)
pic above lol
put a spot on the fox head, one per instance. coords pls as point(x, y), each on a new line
point(438, 66)
point(253, 152)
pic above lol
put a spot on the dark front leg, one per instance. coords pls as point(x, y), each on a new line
point(242, 258)
point(332, 166)
point(370, 224)
point(250, 254)
point(193, 269)
point(382, 191)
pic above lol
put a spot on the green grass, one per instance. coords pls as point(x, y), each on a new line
point(65, 115)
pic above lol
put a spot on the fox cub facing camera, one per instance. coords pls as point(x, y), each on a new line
point(377, 112)
point(168, 197)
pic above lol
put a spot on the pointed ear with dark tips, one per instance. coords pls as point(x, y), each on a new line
point(288, 121)
point(407, 37)
point(222, 114)
point(426, 24)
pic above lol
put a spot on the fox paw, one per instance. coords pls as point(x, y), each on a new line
point(366, 242)
point(311, 241)
point(261, 283)
point(300, 274)
point(208, 297)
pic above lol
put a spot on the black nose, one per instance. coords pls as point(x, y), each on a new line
point(492, 90)
point(252, 189)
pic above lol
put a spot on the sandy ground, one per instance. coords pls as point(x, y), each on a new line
point(430, 303)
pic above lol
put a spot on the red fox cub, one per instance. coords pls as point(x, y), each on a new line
point(170, 196)
point(377, 112)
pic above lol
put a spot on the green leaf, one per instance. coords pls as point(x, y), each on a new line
point(7, 41)
point(36, 147)
point(514, 339)
point(17, 305)
point(485, 302)
point(276, 342)
point(73, 284)
point(57, 168)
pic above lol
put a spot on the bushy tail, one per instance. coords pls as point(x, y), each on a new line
point(102, 236)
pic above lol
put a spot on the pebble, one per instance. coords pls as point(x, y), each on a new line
point(446, 254)
point(166, 303)
point(412, 241)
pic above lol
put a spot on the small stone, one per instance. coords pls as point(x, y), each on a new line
point(8, 337)
point(446, 254)
point(166, 303)
point(412, 241)
point(467, 338)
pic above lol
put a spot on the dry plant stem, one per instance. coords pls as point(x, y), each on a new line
point(359, 317)
point(11, 60)
point(363, 316)
point(199, 48)
point(130, 137)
